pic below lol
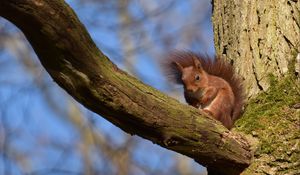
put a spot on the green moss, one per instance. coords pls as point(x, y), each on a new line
point(271, 119)
point(271, 104)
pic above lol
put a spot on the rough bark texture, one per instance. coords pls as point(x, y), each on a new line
point(263, 40)
point(261, 37)
point(71, 58)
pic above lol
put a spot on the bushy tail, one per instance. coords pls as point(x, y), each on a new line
point(214, 66)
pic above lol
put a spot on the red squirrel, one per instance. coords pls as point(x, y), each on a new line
point(209, 84)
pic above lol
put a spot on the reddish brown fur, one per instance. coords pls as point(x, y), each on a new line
point(219, 91)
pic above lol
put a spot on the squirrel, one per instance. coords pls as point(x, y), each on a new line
point(210, 84)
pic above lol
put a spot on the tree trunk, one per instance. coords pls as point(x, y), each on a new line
point(72, 59)
point(262, 38)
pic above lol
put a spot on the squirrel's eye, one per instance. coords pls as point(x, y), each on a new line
point(197, 77)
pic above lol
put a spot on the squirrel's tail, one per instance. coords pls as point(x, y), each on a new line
point(214, 66)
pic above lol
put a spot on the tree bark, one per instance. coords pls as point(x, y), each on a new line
point(74, 62)
point(262, 38)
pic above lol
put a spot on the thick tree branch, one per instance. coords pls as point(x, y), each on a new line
point(67, 52)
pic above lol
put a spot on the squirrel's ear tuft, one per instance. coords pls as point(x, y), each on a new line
point(178, 66)
point(197, 63)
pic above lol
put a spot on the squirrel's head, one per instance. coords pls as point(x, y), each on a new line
point(193, 77)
